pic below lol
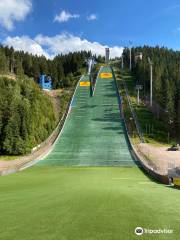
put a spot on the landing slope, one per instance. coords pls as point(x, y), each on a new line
point(94, 133)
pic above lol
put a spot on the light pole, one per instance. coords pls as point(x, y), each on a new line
point(138, 88)
point(130, 56)
point(170, 123)
point(138, 96)
point(151, 81)
point(122, 62)
point(131, 126)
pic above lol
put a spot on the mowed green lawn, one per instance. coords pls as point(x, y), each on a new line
point(56, 203)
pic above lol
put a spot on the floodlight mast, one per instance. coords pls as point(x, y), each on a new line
point(138, 96)
point(130, 55)
point(122, 62)
point(151, 81)
point(130, 66)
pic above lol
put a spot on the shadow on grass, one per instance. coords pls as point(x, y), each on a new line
point(108, 117)
point(88, 107)
point(149, 176)
point(118, 130)
point(113, 95)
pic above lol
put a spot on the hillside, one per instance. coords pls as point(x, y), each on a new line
point(26, 115)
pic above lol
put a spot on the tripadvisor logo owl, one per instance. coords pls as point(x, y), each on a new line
point(139, 231)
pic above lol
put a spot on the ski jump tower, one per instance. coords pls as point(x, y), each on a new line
point(107, 55)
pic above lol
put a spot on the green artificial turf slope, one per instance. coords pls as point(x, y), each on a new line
point(50, 203)
point(94, 133)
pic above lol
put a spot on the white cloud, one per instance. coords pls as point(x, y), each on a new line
point(26, 44)
point(66, 42)
point(92, 17)
point(59, 44)
point(13, 10)
point(65, 16)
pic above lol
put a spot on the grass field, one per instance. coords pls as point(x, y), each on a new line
point(49, 203)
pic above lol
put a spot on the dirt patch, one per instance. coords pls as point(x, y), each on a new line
point(55, 96)
point(55, 99)
point(10, 76)
point(160, 157)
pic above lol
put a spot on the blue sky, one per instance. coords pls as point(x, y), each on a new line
point(52, 26)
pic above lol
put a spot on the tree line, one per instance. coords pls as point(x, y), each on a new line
point(26, 113)
point(62, 68)
point(166, 79)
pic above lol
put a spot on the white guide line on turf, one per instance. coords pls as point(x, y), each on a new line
point(122, 178)
point(139, 182)
point(42, 157)
point(146, 182)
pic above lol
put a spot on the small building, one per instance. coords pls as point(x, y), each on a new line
point(45, 82)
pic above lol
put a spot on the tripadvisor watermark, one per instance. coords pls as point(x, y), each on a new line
point(140, 231)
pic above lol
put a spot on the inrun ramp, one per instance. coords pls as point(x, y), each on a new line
point(94, 132)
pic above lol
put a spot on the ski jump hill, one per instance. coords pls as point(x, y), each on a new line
point(94, 133)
